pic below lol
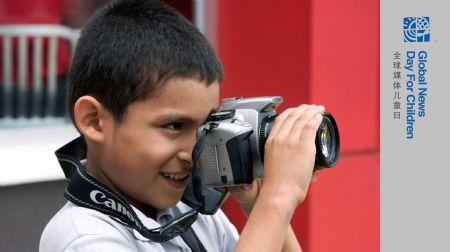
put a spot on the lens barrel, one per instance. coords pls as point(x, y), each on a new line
point(327, 143)
point(327, 140)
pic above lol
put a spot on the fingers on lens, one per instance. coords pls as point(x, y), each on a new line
point(307, 126)
point(290, 124)
point(307, 120)
point(279, 121)
point(309, 130)
point(288, 120)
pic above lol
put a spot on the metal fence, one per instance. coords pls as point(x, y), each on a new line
point(29, 92)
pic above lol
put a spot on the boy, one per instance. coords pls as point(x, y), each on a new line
point(142, 81)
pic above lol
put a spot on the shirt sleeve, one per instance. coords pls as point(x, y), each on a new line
point(76, 229)
point(231, 235)
point(97, 243)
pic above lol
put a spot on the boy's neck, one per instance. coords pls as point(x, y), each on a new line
point(147, 210)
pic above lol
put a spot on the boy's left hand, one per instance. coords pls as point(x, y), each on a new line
point(246, 195)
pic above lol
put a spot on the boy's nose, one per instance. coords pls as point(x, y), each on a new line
point(186, 157)
point(188, 146)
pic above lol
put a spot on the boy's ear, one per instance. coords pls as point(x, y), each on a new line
point(90, 118)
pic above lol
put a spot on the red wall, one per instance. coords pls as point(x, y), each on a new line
point(324, 52)
point(263, 50)
point(344, 203)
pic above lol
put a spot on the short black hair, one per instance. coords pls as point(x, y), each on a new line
point(130, 48)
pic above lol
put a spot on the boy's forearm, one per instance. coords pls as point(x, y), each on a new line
point(291, 243)
point(268, 227)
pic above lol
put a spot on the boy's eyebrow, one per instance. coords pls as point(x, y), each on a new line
point(185, 118)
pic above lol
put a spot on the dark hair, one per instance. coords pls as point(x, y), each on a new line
point(130, 48)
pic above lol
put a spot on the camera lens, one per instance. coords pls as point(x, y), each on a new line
point(327, 143)
point(327, 140)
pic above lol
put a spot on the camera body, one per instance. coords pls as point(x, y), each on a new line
point(233, 150)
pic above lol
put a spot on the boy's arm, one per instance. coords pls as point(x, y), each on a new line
point(246, 197)
point(291, 243)
point(268, 229)
point(288, 169)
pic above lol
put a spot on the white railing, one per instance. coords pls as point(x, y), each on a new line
point(16, 96)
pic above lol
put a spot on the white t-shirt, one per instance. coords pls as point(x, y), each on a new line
point(76, 228)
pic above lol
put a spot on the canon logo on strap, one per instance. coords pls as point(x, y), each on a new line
point(101, 199)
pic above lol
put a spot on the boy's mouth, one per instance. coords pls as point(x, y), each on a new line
point(176, 177)
point(177, 180)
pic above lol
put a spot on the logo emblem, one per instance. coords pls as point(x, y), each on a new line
point(416, 29)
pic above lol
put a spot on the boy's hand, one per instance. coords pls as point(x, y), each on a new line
point(246, 195)
point(290, 154)
point(288, 169)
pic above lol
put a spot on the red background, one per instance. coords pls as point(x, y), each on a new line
point(323, 52)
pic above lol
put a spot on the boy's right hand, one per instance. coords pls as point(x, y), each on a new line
point(290, 154)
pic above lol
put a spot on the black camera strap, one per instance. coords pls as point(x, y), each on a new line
point(191, 239)
point(205, 199)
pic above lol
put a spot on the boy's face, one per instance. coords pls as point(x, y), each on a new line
point(147, 156)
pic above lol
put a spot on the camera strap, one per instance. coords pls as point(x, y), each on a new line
point(209, 199)
point(191, 239)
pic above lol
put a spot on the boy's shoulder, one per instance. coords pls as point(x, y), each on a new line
point(72, 224)
point(83, 229)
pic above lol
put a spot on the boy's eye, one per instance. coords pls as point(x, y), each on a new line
point(174, 126)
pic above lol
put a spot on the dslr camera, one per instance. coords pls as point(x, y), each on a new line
point(234, 138)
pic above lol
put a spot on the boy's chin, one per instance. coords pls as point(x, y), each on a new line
point(169, 203)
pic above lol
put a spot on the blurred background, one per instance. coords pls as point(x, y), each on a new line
point(312, 51)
